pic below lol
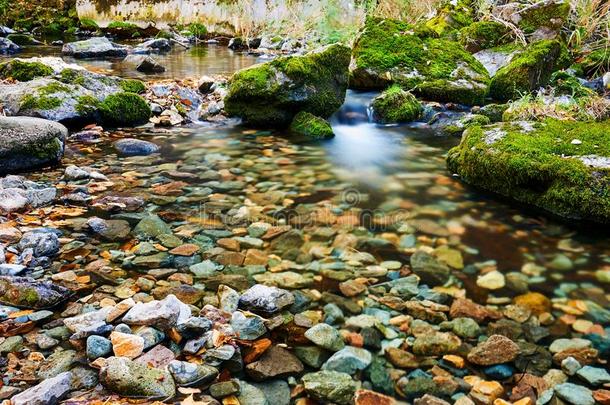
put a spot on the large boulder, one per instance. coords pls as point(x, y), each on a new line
point(529, 70)
point(272, 93)
point(28, 143)
point(131, 379)
point(97, 47)
point(51, 89)
point(560, 167)
point(389, 51)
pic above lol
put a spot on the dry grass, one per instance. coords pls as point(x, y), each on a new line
point(589, 23)
point(542, 106)
point(406, 10)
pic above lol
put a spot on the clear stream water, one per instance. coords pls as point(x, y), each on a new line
point(386, 170)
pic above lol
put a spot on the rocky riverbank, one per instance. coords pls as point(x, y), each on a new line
point(147, 264)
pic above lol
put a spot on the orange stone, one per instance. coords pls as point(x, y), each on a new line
point(188, 249)
point(536, 302)
point(126, 345)
point(602, 396)
point(228, 243)
point(366, 397)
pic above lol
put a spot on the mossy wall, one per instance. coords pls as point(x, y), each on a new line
point(220, 16)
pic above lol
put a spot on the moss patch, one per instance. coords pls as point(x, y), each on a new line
point(389, 51)
point(133, 86)
point(452, 15)
point(537, 164)
point(310, 126)
point(529, 70)
point(22, 39)
point(484, 35)
point(550, 14)
point(24, 71)
point(271, 94)
point(396, 105)
point(124, 109)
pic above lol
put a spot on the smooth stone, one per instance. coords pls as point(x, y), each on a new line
point(575, 394)
point(98, 346)
point(265, 299)
point(224, 389)
point(349, 360)
point(186, 374)
point(248, 328)
point(135, 147)
point(560, 345)
point(96, 47)
point(276, 362)
point(595, 376)
point(49, 392)
point(162, 314)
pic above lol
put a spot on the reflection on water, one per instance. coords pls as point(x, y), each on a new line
point(180, 63)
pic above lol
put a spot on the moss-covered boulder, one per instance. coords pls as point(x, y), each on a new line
point(396, 105)
point(23, 70)
point(389, 51)
point(23, 39)
point(529, 70)
point(484, 35)
point(542, 19)
point(557, 166)
point(452, 15)
point(25, 292)
point(28, 143)
point(311, 127)
point(124, 110)
point(272, 93)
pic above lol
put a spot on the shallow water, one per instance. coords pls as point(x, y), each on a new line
point(393, 177)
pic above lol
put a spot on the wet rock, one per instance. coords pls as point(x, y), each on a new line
point(149, 65)
point(97, 47)
point(48, 392)
point(29, 143)
point(186, 374)
point(135, 147)
point(315, 82)
point(325, 336)
point(594, 375)
point(44, 242)
point(495, 350)
point(8, 47)
point(154, 45)
point(430, 270)
point(205, 84)
point(162, 314)
point(330, 386)
point(265, 299)
point(276, 362)
point(25, 292)
point(131, 379)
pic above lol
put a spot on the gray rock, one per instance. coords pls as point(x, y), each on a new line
point(44, 243)
point(325, 336)
point(135, 147)
point(154, 45)
point(224, 389)
point(48, 392)
point(8, 47)
point(186, 374)
point(98, 346)
point(247, 328)
point(349, 360)
point(251, 395)
point(593, 375)
point(162, 314)
point(151, 227)
point(276, 362)
point(97, 47)
point(277, 392)
point(132, 379)
point(575, 394)
point(28, 143)
point(149, 65)
point(58, 362)
point(265, 299)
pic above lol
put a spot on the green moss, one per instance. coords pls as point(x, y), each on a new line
point(270, 94)
point(484, 35)
point(492, 111)
point(538, 164)
point(87, 105)
point(469, 120)
point(30, 102)
point(22, 39)
point(133, 86)
point(164, 35)
point(124, 109)
point(450, 16)
point(124, 29)
point(24, 71)
point(551, 14)
point(389, 51)
point(529, 70)
point(72, 76)
point(396, 105)
point(310, 126)
point(29, 296)
point(88, 24)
